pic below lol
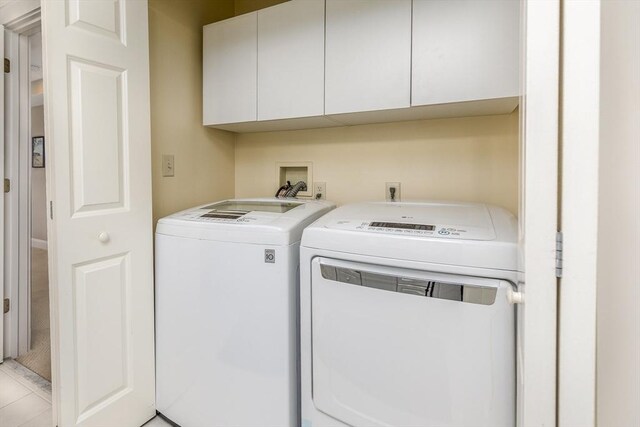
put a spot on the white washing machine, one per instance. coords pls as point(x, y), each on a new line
point(406, 317)
point(226, 312)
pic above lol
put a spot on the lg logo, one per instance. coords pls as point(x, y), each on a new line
point(270, 256)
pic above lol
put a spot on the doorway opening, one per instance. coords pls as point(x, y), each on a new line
point(25, 372)
point(37, 358)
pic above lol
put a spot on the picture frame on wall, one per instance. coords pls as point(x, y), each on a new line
point(37, 152)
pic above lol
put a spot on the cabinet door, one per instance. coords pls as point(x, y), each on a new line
point(368, 55)
point(464, 50)
point(291, 60)
point(229, 70)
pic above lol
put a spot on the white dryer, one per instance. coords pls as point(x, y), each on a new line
point(226, 312)
point(406, 318)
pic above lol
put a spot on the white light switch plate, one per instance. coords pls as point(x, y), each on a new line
point(168, 166)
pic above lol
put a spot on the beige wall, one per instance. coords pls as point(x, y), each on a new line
point(38, 183)
point(618, 303)
point(245, 6)
point(474, 159)
point(469, 159)
point(204, 158)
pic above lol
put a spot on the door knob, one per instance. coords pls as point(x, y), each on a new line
point(103, 237)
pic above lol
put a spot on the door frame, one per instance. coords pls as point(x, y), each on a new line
point(2, 202)
point(580, 133)
point(11, 234)
point(538, 211)
point(20, 18)
point(24, 188)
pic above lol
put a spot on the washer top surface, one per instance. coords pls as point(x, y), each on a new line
point(260, 220)
point(465, 234)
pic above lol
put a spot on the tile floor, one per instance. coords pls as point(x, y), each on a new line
point(25, 399)
point(157, 422)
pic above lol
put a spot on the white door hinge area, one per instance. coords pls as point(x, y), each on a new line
point(51, 209)
point(6, 305)
point(559, 254)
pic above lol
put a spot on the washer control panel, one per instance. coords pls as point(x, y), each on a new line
point(239, 212)
point(227, 217)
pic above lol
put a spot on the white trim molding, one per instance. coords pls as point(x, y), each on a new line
point(24, 187)
point(580, 161)
point(12, 207)
point(538, 214)
point(19, 15)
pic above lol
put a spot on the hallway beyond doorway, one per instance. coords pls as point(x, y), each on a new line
point(38, 358)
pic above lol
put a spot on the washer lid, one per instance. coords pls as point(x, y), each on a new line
point(261, 221)
point(246, 206)
point(468, 234)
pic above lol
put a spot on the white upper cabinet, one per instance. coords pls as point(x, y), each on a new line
point(464, 50)
point(230, 70)
point(316, 63)
point(291, 60)
point(368, 55)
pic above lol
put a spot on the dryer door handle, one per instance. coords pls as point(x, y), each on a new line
point(451, 290)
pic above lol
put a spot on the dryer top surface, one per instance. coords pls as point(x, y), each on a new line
point(468, 234)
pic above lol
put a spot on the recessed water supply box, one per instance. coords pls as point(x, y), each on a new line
point(294, 172)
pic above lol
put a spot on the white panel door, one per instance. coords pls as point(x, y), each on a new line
point(464, 50)
point(230, 59)
point(368, 55)
point(291, 60)
point(96, 80)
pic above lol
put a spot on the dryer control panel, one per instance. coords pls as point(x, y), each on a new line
point(446, 231)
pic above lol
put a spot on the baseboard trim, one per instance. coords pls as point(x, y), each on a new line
point(40, 244)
